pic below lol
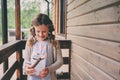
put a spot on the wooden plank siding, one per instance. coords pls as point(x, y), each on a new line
point(82, 7)
point(69, 1)
point(103, 32)
point(93, 26)
point(105, 16)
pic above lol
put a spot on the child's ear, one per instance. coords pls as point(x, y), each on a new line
point(32, 31)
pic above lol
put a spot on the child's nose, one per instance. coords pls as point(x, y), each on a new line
point(41, 33)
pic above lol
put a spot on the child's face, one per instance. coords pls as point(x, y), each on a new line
point(41, 32)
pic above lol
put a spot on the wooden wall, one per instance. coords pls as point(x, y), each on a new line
point(94, 28)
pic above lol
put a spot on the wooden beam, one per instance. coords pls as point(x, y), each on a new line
point(10, 71)
point(17, 19)
point(10, 48)
point(4, 29)
point(18, 37)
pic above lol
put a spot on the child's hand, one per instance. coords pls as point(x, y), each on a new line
point(29, 70)
point(44, 73)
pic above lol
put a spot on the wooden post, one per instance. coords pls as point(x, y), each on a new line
point(70, 60)
point(17, 19)
point(4, 29)
point(18, 37)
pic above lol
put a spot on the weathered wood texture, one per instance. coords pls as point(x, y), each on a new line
point(6, 51)
point(93, 26)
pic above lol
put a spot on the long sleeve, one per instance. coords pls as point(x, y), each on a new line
point(26, 56)
point(58, 59)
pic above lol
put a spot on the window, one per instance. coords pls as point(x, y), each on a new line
point(59, 19)
point(62, 17)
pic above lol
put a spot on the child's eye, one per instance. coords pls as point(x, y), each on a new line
point(38, 31)
point(44, 31)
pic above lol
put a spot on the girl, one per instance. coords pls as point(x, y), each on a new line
point(43, 46)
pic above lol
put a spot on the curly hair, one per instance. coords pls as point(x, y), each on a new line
point(41, 19)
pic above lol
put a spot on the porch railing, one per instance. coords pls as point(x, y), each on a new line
point(17, 46)
point(6, 51)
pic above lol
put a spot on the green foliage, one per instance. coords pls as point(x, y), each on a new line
point(0, 41)
point(11, 18)
point(0, 30)
point(26, 17)
point(28, 10)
